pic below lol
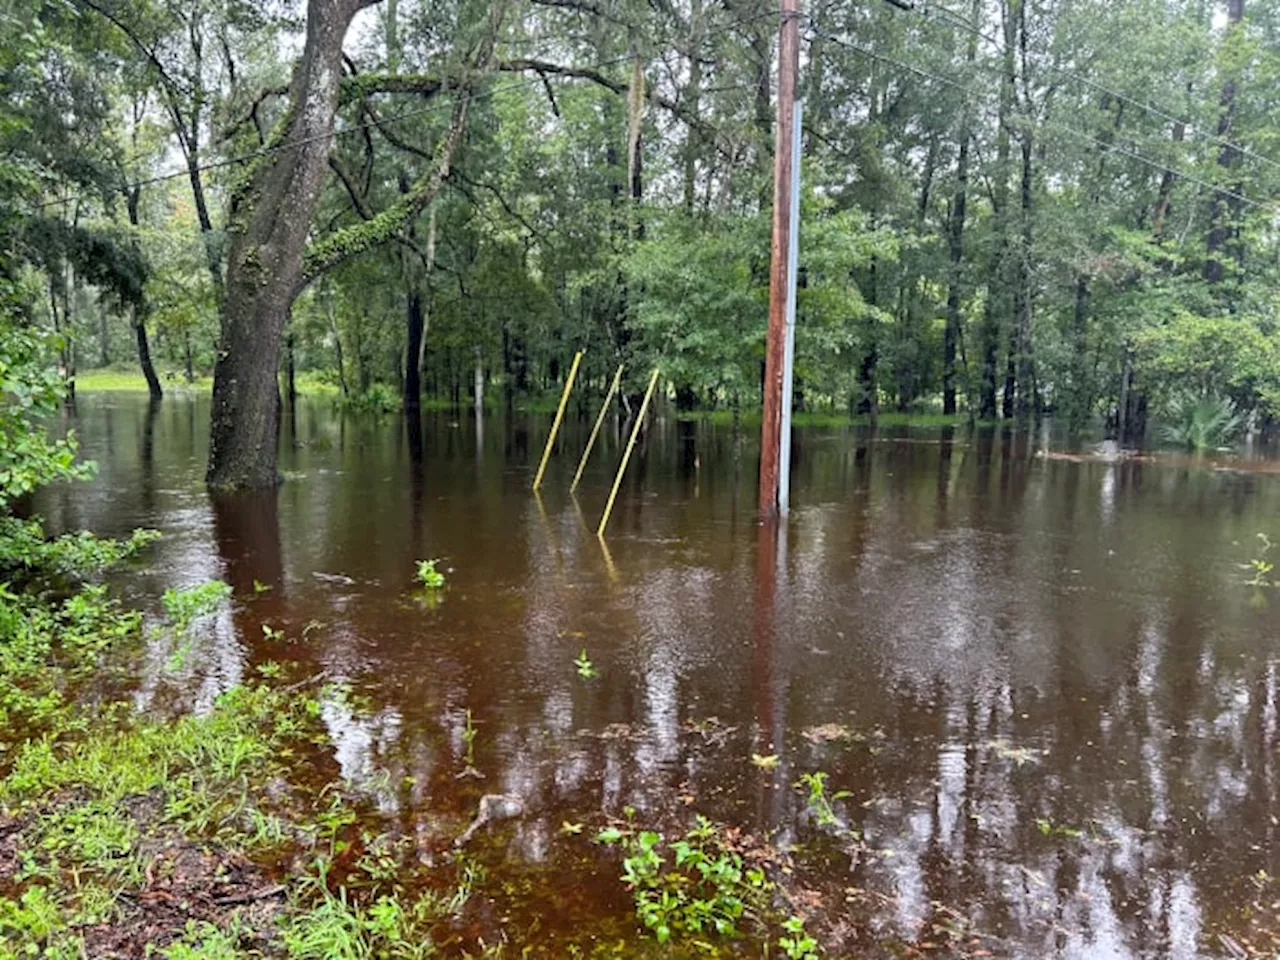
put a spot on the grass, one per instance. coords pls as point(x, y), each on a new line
point(109, 379)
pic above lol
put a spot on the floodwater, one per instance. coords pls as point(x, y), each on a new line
point(1043, 682)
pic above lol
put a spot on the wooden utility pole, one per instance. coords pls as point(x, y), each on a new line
point(771, 424)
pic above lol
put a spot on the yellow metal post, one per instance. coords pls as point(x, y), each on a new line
point(591, 441)
point(555, 427)
point(626, 456)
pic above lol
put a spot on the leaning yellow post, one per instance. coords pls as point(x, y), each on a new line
point(622, 468)
point(591, 441)
point(555, 427)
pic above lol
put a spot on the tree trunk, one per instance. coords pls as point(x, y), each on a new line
point(264, 266)
point(133, 198)
point(693, 94)
point(1080, 400)
point(413, 347)
point(1022, 292)
point(327, 296)
point(290, 370)
point(144, 354)
point(188, 371)
point(1225, 210)
point(104, 338)
point(479, 382)
point(1165, 194)
point(955, 245)
point(997, 285)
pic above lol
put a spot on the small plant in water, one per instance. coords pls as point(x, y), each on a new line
point(1260, 566)
point(796, 944)
point(184, 606)
point(271, 633)
point(469, 741)
point(819, 799)
point(586, 669)
point(259, 587)
point(428, 575)
point(469, 738)
point(691, 886)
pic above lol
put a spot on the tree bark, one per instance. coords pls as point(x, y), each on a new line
point(270, 260)
point(955, 244)
point(997, 285)
point(144, 354)
point(413, 347)
point(264, 266)
point(1022, 304)
point(133, 199)
point(1225, 210)
point(693, 94)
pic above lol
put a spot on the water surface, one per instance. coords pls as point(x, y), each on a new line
point(1060, 698)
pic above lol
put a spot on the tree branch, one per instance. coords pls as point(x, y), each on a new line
point(514, 214)
point(543, 68)
point(358, 86)
point(391, 223)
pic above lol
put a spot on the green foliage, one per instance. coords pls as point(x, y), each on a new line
point(469, 733)
point(30, 391)
point(819, 800)
point(204, 941)
point(1259, 566)
point(378, 398)
point(586, 669)
point(25, 551)
point(689, 887)
point(48, 648)
point(428, 575)
point(1200, 423)
point(338, 929)
point(184, 606)
point(796, 944)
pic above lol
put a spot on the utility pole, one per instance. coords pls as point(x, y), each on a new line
point(789, 318)
point(779, 273)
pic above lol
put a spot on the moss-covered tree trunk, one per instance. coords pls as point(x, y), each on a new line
point(270, 223)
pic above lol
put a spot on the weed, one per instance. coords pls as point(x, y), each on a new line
point(586, 669)
point(259, 587)
point(204, 941)
point(469, 740)
point(183, 607)
point(48, 647)
point(795, 942)
point(271, 633)
point(769, 762)
point(819, 800)
point(379, 398)
point(428, 575)
point(1260, 566)
point(690, 886)
point(1048, 828)
point(25, 552)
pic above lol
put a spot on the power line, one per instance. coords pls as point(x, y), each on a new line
point(964, 23)
point(1046, 124)
point(377, 122)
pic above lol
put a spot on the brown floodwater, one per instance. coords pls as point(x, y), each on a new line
point(1043, 682)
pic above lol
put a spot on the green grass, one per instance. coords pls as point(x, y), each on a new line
point(108, 379)
point(129, 381)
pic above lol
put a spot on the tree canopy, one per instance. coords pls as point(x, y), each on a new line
point(1010, 208)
